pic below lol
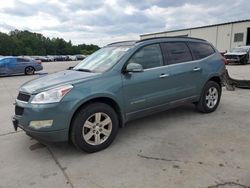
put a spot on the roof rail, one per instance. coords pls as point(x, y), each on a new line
point(182, 37)
point(127, 42)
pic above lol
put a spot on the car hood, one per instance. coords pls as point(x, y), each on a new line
point(56, 79)
point(235, 53)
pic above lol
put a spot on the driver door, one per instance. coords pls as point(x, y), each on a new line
point(3, 69)
point(146, 89)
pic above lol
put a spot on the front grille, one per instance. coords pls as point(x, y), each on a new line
point(19, 111)
point(23, 97)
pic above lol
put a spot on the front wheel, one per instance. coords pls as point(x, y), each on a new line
point(210, 97)
point(94, 127)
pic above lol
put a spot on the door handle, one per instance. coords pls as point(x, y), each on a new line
point(164, 75)
point(197, 69)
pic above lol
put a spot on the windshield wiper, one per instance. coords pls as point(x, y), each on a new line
point(82, 70)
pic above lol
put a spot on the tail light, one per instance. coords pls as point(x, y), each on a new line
point(39, 61)
point(225, 61)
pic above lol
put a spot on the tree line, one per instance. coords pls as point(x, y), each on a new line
point(28, 43)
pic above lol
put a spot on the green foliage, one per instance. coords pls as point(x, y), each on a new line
point(28, 43)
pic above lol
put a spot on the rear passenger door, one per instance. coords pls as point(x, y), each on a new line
point(203, 54)
point(185, 73)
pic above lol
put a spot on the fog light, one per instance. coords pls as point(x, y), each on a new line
point(41, 124)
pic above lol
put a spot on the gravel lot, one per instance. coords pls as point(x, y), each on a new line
point(176, 148)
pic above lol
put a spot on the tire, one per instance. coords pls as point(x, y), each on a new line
point(88, 131)
point(29, 70)
point(210, 97)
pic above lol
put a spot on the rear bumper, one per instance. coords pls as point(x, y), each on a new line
point(45, 136)
point(39, 67)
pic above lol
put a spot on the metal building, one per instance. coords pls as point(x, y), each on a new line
point(224, 36)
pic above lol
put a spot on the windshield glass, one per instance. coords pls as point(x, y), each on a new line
point(240, 50)
point(102, 60)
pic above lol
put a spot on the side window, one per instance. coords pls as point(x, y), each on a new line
point(6, 61)
point(176, 52)
point(149, 56)
point(201, 50)
point(22, 60)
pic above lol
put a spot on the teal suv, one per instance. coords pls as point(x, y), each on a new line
point(87, 104)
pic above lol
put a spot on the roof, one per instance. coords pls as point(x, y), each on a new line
point(226, 23)
point(3, 57)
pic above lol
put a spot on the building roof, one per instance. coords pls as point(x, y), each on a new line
point(226, 23)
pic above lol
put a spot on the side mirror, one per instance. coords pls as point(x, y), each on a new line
point(134, 67)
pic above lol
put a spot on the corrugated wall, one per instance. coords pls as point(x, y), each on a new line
point(221, 36)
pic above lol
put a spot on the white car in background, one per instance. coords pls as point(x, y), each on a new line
point(238, 55)
point(72, 58)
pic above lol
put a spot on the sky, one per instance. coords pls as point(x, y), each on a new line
point(104, 21)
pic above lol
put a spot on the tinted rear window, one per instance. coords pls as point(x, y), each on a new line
point(176, 52)
point(201, 50)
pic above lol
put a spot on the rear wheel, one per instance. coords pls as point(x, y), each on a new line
point(94, 127)
point(29, 70)
point(210, 98)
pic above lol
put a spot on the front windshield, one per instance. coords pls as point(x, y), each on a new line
point(240, 50)
point(102, 60)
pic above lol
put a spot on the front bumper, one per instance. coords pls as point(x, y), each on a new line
point(48, 136)
point(59, 113)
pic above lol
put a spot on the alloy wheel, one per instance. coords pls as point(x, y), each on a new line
point(29, 70)
point(97, 128)
point(212, 97)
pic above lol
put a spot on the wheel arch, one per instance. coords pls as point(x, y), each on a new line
point(216, 79)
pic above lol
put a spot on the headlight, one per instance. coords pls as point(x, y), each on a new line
point(51, 96)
